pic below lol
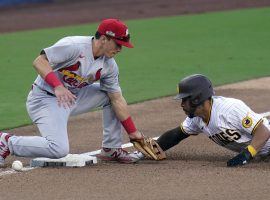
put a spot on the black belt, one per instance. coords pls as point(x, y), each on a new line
point(48, 93)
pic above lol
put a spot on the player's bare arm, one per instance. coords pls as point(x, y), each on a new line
point(120, 108)
point(119, 105)
point(42, 65)
point(144, 144)
point(261, 135)
point(64, 97)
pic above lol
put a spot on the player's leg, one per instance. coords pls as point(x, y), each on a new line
point(92, 97)
point(52, 123)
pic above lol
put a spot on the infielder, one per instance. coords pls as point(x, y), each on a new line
point(228, 122)
point(76, 74)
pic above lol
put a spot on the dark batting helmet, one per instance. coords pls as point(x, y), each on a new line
point(197, 88)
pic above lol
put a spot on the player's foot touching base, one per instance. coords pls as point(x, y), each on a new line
point(4, 150)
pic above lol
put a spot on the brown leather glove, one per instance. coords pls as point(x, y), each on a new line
point(149, 147)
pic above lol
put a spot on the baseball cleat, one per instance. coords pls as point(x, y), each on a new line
point(117, 154)
point(4, 150)
point(137, 155)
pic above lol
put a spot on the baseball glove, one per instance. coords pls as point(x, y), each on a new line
point(149, 147)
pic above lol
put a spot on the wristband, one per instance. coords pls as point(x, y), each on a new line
point(129, 125)
point(252, 150)
point(52, 79)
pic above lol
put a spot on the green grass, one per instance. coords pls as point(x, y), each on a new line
point(226, 46)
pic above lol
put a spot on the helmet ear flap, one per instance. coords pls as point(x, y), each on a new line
point(195, 101)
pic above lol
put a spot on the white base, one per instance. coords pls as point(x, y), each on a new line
point(71, 160)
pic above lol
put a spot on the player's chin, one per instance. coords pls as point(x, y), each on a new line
point(186, 112)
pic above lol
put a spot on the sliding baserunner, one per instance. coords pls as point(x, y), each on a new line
point(228, 122)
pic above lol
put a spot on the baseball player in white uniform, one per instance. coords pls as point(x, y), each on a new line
point(76, 74)
point(228, 122)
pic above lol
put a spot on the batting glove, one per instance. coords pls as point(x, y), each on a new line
point(241, 159)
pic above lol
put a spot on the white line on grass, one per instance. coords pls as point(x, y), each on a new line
point(92, 153)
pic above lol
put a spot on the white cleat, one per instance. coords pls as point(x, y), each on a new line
point(117, 154)
point(4, 150)
point(137, 155)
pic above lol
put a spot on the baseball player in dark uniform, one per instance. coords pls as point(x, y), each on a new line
point(228, 122)
point(76, 74)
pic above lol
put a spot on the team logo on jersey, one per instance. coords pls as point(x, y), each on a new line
point(95, 77)
point(247, 122)
point(72, 68)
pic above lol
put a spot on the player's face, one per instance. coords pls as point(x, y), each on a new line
point(111, 48)
point(193, 111)
point(185, 104)
point(188, 109)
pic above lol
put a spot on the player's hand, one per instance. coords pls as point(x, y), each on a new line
point(147, 146)
point(241, 159)
point(136, 135)
point(64, 97)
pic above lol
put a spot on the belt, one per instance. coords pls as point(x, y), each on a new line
point(48, 93)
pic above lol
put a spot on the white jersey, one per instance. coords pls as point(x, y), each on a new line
point(72, 60)
point(231, 124)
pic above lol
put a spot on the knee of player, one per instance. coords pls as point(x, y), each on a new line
point(59, 150)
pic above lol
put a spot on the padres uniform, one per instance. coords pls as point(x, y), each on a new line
point(231, 124)
point(86, 77)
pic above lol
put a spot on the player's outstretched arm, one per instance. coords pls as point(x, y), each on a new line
point(167, 140)
point(144, 144)
point(120, 108)
point(171, 138)
point(261, 135)
point(119, 105)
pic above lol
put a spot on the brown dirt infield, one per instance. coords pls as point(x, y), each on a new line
point(195, 169)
